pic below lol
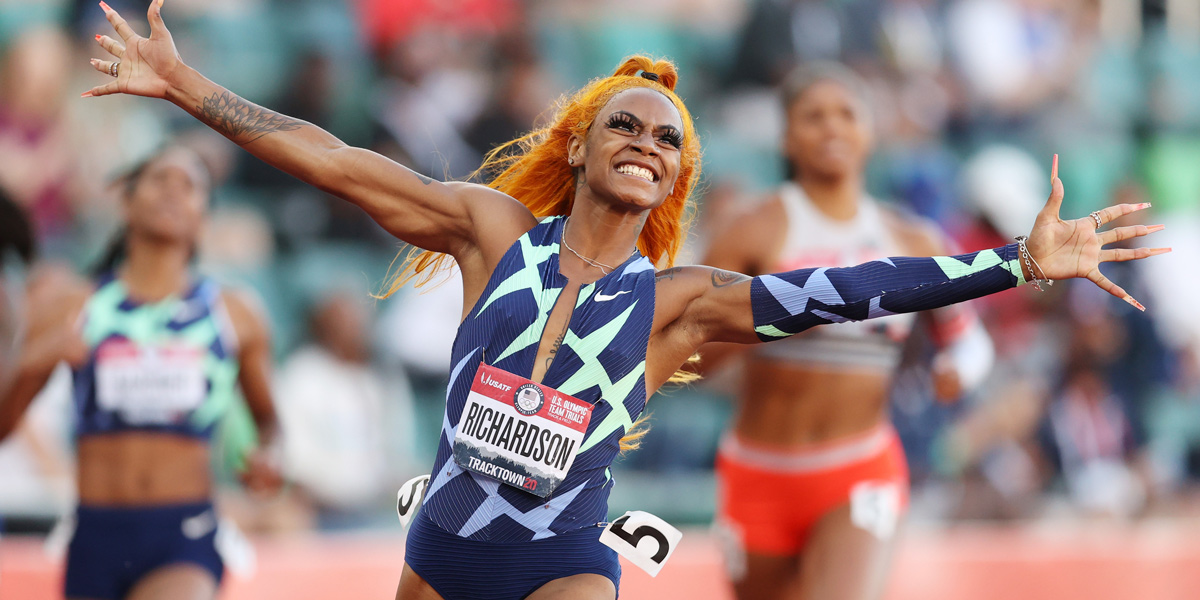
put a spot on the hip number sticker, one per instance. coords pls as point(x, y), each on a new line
point(626, 535)
point(409, 498)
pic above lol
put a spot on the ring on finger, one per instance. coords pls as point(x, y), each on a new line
point(112, 69)
point(1096, 216)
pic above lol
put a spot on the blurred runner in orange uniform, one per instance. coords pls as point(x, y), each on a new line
point(813, 480)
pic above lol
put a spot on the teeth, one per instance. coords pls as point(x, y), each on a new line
point(637, 171)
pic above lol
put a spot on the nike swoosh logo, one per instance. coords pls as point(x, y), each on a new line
point(603, 298)
point(200, 525)
point(190, 310)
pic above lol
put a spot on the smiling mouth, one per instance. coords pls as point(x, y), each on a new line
point(637, 171)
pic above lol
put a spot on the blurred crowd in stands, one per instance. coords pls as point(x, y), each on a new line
point(1093, 409)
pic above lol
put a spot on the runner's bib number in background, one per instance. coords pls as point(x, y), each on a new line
point(150, 384)
point(519, 432)
point(644, 539)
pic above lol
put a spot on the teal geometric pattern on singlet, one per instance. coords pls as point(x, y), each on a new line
point(588, 348)
point(197, 319)
point(602, 360)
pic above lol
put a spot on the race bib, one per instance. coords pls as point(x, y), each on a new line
point(409, 498)
point(150, 384)
point(875, 507)
point(518, 432)
point(644, 539)
point(235, 549)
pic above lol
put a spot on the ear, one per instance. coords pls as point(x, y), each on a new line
point(576, 150)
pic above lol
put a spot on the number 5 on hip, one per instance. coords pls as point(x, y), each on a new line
point(627, 534)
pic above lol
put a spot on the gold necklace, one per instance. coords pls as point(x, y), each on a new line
point(594, 263)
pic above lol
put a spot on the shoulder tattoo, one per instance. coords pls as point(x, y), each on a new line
point(726, 278)
point(668, 273)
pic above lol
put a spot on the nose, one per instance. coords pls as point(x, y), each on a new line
point(644, 143)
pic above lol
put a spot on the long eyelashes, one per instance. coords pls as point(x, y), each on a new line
point(623, 121)
point(673, 137)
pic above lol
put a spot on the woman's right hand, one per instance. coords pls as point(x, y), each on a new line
point(144, 65)
point(62, 344)
point(262, 474)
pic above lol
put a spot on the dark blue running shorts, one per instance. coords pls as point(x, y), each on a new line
point(463, 569)
point(113, 548)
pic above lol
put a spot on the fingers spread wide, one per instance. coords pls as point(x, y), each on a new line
point(1098, 278)
point(1120, 234)
point(1124, 254)
point(1112, 213)
point(111, 46)
point(119, 24)
point(1054, 203)
point(154, 16)
point(102, 90)
point(104, 66)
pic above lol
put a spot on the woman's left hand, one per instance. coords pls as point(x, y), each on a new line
point(1067, 249)
point(262, 475)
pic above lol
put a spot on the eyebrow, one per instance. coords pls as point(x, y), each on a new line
point(639, 123)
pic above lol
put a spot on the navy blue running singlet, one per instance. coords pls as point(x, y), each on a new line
point(602, 360)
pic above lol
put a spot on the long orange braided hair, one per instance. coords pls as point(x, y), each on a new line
point(533, 169)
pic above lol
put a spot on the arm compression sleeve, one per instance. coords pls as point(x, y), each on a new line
point(788, 303)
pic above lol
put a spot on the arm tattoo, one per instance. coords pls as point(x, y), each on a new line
point(242, 121)
point(722, 279)
point(668, 273)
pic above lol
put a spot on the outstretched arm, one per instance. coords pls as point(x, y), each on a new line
point(736, 308)
point(788, 303)
point(731, 307)
point(414, 208)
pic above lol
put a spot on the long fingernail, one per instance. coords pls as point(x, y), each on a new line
point(105, 6)
point(97, 37)
point(1143, 205)
point(1135, 303)
point(1153, 228)
point(86, 95)
point(1054, 169)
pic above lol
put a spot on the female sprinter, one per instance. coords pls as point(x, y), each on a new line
point(563, 307)
point(157, 352)
point(812, 478)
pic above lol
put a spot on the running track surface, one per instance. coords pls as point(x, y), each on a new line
point(1092, 562)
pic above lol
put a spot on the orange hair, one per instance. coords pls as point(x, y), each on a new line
point(533, 169)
